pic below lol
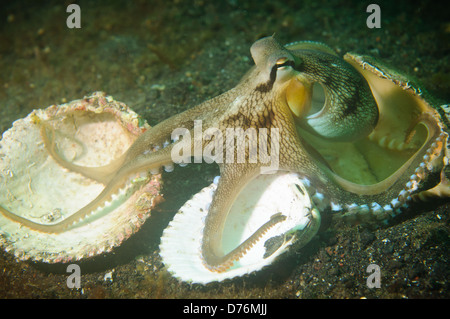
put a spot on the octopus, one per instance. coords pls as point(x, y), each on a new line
point(361, 140)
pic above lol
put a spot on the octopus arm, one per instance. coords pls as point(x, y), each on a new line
point(233, 179)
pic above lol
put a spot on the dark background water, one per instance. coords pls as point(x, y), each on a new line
point(162, 57)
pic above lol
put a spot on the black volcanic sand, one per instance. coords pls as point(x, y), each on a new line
point(163, 57)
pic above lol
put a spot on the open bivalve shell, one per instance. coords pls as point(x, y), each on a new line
point(89, 132)
point(265, 196)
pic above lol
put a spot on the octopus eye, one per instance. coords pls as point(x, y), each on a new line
point(283, 63)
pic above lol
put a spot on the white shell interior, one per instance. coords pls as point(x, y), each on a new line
point(35, 187)
point(263, 197)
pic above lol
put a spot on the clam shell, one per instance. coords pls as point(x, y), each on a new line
point(89, 132)
point(265, 196)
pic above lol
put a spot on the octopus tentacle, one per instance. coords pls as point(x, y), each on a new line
point(101, 174)
point(233, 180)
point(140, 164)
point(225, 262)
